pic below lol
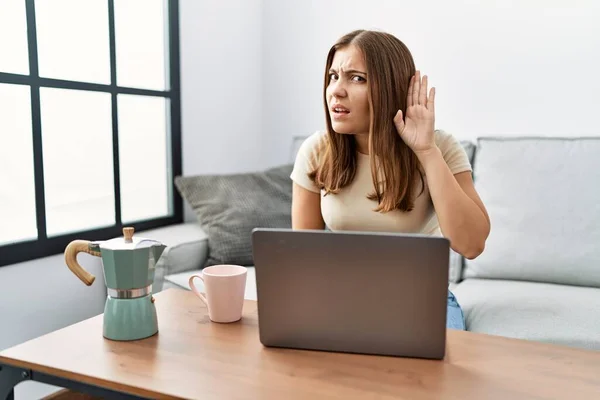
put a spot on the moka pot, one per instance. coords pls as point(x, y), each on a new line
point(128, 264)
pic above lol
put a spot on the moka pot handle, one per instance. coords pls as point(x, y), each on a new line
point(76, 247)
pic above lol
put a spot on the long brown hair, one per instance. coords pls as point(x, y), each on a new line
point(394, 166)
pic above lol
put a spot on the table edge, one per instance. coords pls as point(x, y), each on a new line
point(87, 379)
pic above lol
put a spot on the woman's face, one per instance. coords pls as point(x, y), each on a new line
point(347, 92)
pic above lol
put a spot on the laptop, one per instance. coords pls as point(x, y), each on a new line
point(352, 292)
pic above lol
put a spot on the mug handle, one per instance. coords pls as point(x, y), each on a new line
point(195, 290)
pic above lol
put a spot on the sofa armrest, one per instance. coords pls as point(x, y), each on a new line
point(187, 250)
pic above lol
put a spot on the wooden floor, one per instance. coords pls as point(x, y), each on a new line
point(67, 394)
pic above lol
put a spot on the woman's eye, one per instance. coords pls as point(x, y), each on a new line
point(357, 78)
point(332, 77)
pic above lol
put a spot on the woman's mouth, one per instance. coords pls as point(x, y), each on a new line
point(339, 112)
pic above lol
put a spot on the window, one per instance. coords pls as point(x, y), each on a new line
point(90, 135)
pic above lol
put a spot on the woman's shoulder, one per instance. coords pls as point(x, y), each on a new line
point(453, 151)
point(448, 142)
point(443, 139)
point(307, 160)
point(314, 145)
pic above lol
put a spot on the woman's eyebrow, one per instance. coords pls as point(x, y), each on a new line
point(350, 71)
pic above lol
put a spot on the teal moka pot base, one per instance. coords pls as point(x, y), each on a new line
point(128, 265)
point(130, 319)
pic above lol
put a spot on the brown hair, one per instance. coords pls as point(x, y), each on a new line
point(390, 67)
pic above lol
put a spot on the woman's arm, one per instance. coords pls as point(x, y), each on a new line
point(461, 213)
point(462, 216)
point(306, 209)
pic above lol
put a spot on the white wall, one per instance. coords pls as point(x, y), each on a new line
point(221, 85)
point(500, 67)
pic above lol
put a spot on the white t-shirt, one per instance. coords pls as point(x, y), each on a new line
point(351, 210)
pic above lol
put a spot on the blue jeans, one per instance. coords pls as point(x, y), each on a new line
point(454, 318)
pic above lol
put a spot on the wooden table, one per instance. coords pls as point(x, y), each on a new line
point(191, 357)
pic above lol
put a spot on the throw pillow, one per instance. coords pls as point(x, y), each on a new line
point(229, 207)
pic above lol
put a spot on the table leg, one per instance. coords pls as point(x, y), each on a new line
point(9, 378)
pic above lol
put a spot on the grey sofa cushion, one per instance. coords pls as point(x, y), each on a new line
point(559, 314)
point(229, 207)
point(455, 269)
point(543, 198)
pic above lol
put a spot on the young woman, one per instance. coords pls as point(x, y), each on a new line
point(381, 165)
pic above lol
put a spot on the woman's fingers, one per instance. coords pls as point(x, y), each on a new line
point(409, 97)
point(431, 100)
point(416, 88)
point(399, 121)
point(417, 92)
point(423, 92)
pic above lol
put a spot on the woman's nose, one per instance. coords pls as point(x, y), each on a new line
point(338, 89)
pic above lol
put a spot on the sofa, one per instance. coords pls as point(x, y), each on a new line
point(539, 275)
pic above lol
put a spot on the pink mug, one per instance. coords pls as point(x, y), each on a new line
point(224, 286)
